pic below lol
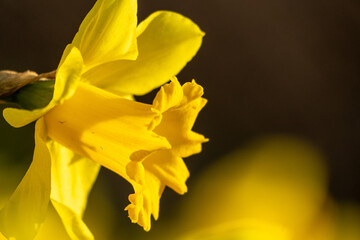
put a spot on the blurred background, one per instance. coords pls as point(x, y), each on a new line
point(283, 68)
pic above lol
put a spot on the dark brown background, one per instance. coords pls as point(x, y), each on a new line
point(267, 67)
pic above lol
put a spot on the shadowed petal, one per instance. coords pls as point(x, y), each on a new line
point(24, 212)
point(72, 179)
point(108, 32)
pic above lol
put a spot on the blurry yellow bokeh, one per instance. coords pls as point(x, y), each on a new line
point(275, 188)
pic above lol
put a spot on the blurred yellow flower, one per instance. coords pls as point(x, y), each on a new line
point(88, 118)
point(275, 189)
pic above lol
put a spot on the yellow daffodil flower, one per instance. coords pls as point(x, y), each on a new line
point(89, 123)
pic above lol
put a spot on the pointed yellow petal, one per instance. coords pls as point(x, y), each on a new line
point(104, 127)
point(108, 32)
point(166, 42)
point(72, 178)
point(67, 74)
point(24, 212)
point(74, 226)
point(67, 78)
point(52, 226)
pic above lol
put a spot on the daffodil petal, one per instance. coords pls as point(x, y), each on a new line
point(52, 226)
point(166, 42)
point(24, 212)
point(72, 178)
point(21, 117)
point(74, 226)
point(108, 32)
point(67, 78)
point(67, 74)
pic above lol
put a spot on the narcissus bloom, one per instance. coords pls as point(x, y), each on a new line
point(89, 123)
